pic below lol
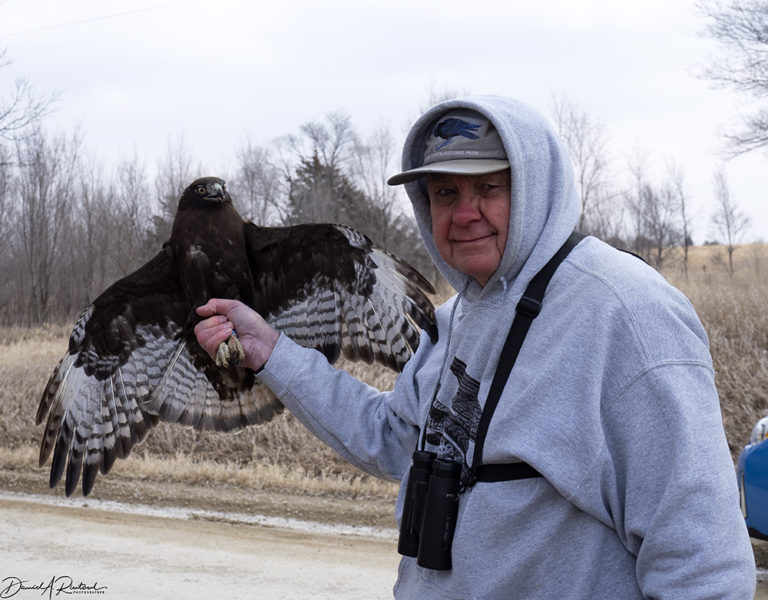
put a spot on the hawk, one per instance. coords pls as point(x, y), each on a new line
point(133, 358)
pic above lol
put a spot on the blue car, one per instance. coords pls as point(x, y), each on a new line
point(752, 473)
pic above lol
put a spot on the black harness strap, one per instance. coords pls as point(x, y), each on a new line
point(526, 311)
point(505, 472)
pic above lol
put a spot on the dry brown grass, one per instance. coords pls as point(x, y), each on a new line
point(192, 469)
point(709, 264)
point(27, 359)
point(281, 454)
point(734, 311)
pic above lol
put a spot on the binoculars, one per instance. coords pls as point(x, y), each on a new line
point(430, 510)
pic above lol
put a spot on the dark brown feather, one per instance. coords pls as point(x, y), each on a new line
point(133, 358)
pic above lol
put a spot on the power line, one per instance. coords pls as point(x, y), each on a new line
point(92, 19)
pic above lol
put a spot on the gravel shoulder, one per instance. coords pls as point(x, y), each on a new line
point(327, 509)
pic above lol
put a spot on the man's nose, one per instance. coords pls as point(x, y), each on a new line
point(467, 207)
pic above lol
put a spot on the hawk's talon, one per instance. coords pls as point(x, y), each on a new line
point(236, 352)
point(230, 353)
point(222, 355)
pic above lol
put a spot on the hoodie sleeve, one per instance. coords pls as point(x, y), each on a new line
point(672, 488)
point(375, 431)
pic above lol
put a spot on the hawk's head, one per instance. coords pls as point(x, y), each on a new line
point(203, 192)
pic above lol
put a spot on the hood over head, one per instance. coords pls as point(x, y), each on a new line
point(544, 206)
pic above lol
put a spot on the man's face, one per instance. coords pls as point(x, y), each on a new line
point(470, 220)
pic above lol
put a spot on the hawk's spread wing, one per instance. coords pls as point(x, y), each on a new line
point(328, 287)
point(133, 359)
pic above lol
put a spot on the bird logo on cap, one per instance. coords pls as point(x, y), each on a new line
point(452, 127)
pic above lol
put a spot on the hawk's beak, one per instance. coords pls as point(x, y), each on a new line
point(216, 192)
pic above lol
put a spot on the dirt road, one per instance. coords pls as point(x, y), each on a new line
point(116, 550)
point(111, 554)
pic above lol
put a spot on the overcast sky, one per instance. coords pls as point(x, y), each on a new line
point(137, 74)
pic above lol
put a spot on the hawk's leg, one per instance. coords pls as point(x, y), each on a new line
point(230, 353)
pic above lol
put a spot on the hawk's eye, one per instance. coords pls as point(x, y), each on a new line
point(200, 189)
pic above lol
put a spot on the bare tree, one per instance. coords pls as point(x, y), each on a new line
point(730, 221)
point(654, 209)
point(174, 174)
point(635, 200)
point(586, 141)
point(21, 108)
point(258, 184)
point(6, 200)
point(45, 192)
point(386, 214)
point(741, 26)
point(678, 189)
point(89, 237)
point(324, 147)
point(372, 165)
point(133, 220)
point(334, 175)
point(659, 218)
point(332, 140)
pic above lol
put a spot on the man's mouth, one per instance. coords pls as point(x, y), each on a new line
point(470, 240)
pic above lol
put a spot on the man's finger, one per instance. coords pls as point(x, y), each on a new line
point(209, 308)
point(204, 311)
point(216, 306)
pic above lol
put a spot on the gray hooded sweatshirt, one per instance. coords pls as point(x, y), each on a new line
point(612, 399)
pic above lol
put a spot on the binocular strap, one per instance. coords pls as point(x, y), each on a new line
point(527, 310)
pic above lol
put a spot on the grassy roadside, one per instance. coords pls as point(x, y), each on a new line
point(281, 458)
point(185, 469)
point(195, 484)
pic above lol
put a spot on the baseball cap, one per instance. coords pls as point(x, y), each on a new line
point(462, 142)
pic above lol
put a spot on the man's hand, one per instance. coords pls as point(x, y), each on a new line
point(221, 317)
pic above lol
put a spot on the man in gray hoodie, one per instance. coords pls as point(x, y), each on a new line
point(612, 399)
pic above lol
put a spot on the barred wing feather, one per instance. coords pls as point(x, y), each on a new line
point(133, 359)
point(331, 289)
point(130, 363)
